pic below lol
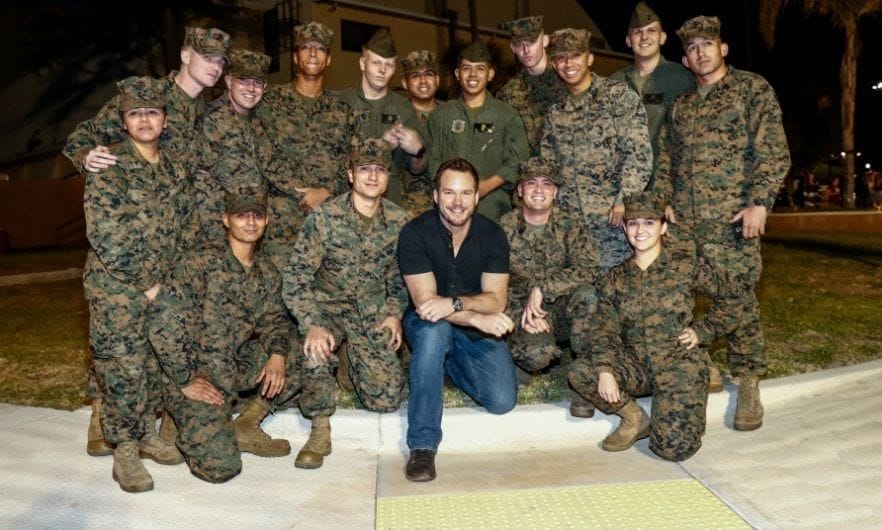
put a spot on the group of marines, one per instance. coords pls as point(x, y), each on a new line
point(280, 240)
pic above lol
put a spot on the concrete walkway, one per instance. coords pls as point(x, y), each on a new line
point(816, 463)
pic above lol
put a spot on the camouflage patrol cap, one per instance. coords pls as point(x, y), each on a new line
point(208, 41)
point(419, 60)
point(645, 205)
point(643, 15)
point(246, 64)
point(371, 151)
point(526, 28)
point(313, 31)
point(476, 52)
point(245, 200)
point(382, 44)
point(569, 40)
point(701, 26)
point(140, 92)
point(538, 166)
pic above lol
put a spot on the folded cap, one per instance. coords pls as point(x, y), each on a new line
point(382, 44)
point(643, 15)
point(476, 52)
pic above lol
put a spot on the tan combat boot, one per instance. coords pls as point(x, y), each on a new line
point(95, 445)
point(749, 410)
point(152, 446)
point(318, 446)
point(251, 438)
point(715, 380)
point(634, 426)
point(580, 407)
point(168, 431)
point(128, 470)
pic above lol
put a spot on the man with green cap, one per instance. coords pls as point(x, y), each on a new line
point(342, 283)
point(309, 130)
point(657, 81)
point(552, 275)
point(421, 80)
point(532, 90)
point(644, 338)
point(481, 129)
point(228, 157)
point(203, 57)
point(220, 328)
point(385, 114)
point(598, 139)
point(722, 158)
point(138, 215)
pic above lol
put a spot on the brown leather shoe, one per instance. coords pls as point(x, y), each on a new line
point(580, 407)
point(420, 466)
point(715, 380)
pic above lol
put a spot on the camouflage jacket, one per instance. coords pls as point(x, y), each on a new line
point(375, 118)
point(660, 89)
point(138, 220)
point(494, 142)
point(209, 308)
point(183, 115)
point(336, 261)
point(558, 261)
point(310, 141)
point(722, 152)
point(228, 161)
point(641, 313)
point(599, 141)
point(531, 96)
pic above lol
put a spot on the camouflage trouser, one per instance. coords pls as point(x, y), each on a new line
point(679, 398)
point(375, 368)
point(568, 316)
point(741, 260)
point(206, 435)
point(127, 372)
point(417, 193)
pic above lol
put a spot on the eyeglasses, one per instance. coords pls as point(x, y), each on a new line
point(251, 83)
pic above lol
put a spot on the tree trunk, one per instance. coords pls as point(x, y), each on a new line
point(848, 80)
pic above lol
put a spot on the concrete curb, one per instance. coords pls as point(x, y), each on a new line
point(544, 426)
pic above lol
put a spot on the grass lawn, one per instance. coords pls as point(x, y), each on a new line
point(821, 303)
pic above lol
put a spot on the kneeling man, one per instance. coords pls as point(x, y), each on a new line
point(455, 266)
point(220, 328)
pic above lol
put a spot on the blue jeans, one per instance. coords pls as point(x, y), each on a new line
point(483, 369)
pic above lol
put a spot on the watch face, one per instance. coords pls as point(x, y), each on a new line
point(457, 304)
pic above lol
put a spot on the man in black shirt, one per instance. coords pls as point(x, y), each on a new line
point(455, 267)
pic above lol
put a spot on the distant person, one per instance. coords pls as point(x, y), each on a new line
point(455, 266)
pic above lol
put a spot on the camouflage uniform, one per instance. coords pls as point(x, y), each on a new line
point(343, 276)
point(600, 142)
point(418, 187)
point(720, 153)
point(138, 219)
point(640, 314)
point(491, 138)
point(183, 113)
point(228, 156)
point(657, 90)
point(310, 140)
point(562, 262)
point(218, 320)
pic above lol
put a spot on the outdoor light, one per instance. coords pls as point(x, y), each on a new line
point(842, 154)
point(867, 165)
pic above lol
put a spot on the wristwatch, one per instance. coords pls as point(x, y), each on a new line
point(457, 303)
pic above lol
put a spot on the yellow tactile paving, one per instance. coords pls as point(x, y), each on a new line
point(652, 505)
